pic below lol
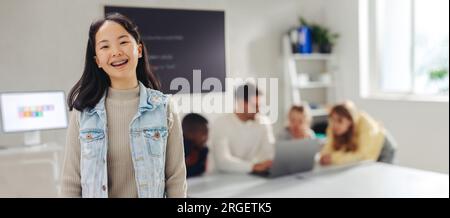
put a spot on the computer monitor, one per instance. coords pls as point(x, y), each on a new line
point(30, 112)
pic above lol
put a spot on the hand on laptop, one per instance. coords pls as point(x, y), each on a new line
point(325, 159)
point(262, 166)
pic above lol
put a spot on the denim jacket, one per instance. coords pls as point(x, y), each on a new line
point(148, 133)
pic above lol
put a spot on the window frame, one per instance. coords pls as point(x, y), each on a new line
point(370, 72)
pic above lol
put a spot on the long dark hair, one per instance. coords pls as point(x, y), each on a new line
point(347, 140)
point(94, 82)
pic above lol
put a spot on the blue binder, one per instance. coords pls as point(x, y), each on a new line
point(304, 40)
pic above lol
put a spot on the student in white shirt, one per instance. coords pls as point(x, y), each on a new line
point(243, 141)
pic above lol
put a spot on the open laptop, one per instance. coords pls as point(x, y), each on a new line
point(293, 156)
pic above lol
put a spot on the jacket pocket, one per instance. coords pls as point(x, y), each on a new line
point(155, 139)
point(91, 141)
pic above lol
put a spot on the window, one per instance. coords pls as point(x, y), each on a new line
point(409, 40)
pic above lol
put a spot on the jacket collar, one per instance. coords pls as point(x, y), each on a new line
point(149, 99)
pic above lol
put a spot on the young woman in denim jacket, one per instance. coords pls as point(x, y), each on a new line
point(124, 138)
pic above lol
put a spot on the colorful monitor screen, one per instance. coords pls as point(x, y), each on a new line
point(27, 111)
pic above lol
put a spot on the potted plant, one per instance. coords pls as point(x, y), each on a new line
point(440, 78)
point(323, 39)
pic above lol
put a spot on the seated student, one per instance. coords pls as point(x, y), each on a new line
point(243, 141)
point(195, 134)
point(353, 136)
point(299, 126)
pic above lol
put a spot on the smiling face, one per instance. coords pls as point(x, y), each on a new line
point(117, 52)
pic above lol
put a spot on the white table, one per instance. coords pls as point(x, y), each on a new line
point(361, 180)
point(30, 171)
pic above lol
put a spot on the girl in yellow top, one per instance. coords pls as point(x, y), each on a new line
point(354, 136)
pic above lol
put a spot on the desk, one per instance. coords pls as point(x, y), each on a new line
point(361, 180)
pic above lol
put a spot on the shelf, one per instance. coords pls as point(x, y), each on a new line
point(317, 87)
point(312, 56)
point(314, 85)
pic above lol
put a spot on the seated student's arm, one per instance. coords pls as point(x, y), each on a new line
point(342, 157)
point(267, 151)
point(328, 147)
point(325, 152)
point(331, 156)
point(226, 161)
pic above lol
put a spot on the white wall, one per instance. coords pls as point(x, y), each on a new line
point(43, 44)
point(420, 128)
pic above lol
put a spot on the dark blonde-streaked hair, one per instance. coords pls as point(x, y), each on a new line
point(346, 141)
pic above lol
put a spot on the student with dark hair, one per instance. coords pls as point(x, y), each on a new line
point(124, 138)
point(195, 134)
point(243, 141)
